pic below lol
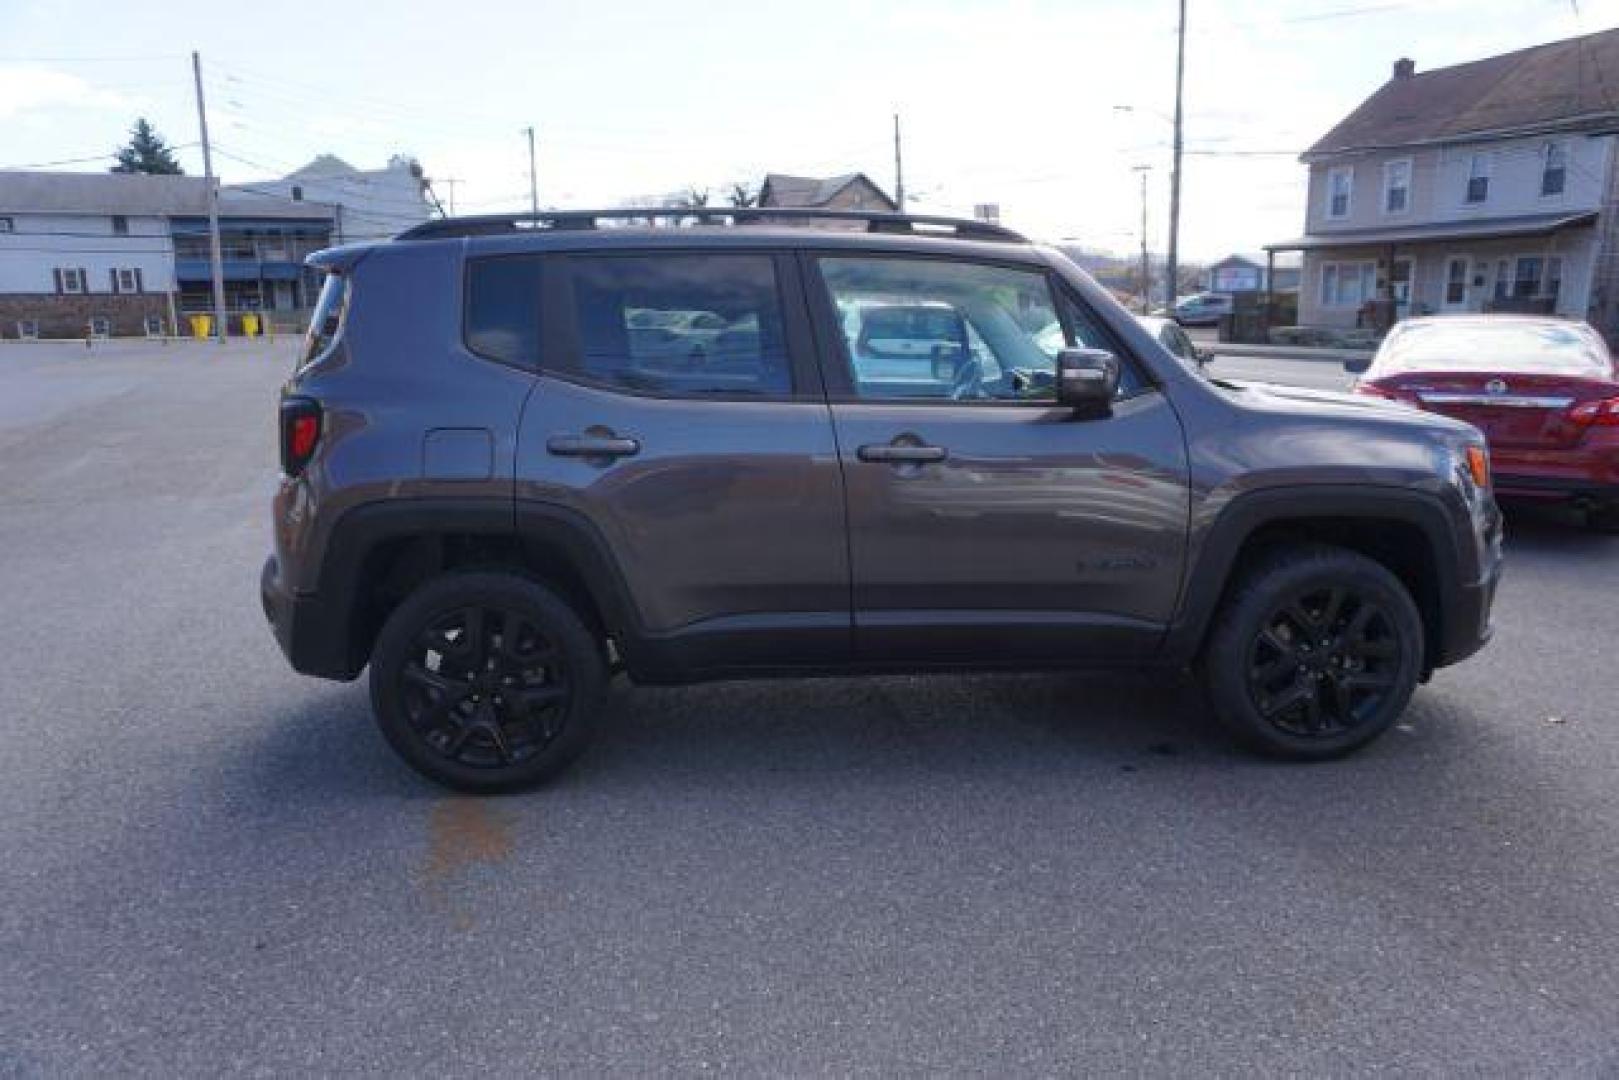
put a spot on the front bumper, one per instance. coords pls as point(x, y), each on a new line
point(312, 635)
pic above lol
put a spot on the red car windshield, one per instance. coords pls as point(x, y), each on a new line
point(1528, 347)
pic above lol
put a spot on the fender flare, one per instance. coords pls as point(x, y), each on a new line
point(1213, 556)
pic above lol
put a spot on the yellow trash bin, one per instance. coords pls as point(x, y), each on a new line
point(201, 326)
point(250, 326)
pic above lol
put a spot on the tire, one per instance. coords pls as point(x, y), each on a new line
point(1294, 673)
point(474, 706)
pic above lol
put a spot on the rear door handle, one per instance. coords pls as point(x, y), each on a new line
point(612, 446)
point(901, 454)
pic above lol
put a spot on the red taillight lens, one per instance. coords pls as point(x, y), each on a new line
point(300, 434)
point(1596, 413)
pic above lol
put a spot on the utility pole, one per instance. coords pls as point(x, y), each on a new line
point(533, 183)
point(1172, 262)
point(899, 169)
point(215, 254)
point(450, 183)
point(1146, 264)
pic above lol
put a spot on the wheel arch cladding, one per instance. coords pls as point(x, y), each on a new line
point(1408, 532)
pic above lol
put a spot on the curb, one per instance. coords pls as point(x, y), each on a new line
point(1291, 352)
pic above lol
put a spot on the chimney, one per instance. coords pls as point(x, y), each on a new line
point(1404, 67)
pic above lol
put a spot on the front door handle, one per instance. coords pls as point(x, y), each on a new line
point(596, 446)
point(901, 454)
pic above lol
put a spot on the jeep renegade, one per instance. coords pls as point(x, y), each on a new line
point(520, 453)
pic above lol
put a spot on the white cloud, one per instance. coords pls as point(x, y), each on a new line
point(29, 89)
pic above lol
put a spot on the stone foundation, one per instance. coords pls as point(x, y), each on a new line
point(69, 316)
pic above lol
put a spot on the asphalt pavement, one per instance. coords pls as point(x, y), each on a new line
point(209, 864)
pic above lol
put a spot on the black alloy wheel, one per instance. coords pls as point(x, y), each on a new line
point(484, 687)
point(1324, 662)
point(1315, 651)
point(487, 681)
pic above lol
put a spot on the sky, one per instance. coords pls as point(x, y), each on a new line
point(1042, 106)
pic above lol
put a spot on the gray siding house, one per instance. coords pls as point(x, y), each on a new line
point(852, 191)
point(1488, 186)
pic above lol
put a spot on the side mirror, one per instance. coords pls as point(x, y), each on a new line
point(1357, 366)
point(1086, 378)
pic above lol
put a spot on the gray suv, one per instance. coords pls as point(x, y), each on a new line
point(523, 453)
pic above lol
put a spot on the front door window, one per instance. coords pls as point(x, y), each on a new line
point(1456, 270)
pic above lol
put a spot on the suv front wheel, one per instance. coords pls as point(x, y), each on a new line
point(1315, 653)
point(487, 682)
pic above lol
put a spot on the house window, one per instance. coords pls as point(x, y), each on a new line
point(1340, 185)
point(1554, 169)
point(70, 280)
point(1397, 186)
point(1347, 284)
point(1456, 271)
point(7, 225)
point(1526, 277)
point(1478, 178)
point(1503, 279)
point(120, 225)
point(1554, 278)
point(126, 281)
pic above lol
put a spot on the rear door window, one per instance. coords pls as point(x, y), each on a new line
point(680, 324)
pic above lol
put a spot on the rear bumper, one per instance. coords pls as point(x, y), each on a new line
point(1589, 470)
point(313, 637)
point(1555, 488)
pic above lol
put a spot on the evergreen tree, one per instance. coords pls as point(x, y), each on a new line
point(147, 152)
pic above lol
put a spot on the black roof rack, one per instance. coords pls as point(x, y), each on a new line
point(545, 220)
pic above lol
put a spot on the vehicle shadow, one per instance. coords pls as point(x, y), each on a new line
point(1552, 529)
point(328, 748)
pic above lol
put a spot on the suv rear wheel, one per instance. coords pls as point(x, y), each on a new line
point(487, 682)
point(1315, 653)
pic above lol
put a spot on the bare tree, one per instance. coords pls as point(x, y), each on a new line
point(743, 193)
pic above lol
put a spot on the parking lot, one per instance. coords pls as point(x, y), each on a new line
point(213, 864)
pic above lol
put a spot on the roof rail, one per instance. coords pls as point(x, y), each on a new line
point(547, 220)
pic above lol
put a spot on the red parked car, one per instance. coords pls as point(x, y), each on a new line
point(1544, 391)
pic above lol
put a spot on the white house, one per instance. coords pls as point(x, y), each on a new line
point(1488, 186)
point(374, 204)
point(82, 252)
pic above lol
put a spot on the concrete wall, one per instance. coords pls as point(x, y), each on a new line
point(39, 243)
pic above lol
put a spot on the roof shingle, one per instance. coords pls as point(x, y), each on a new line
point(1560, 83)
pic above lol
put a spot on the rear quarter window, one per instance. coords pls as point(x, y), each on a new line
point(503, 309)
point(326, 321)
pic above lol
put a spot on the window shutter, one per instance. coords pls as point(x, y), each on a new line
point(140, 286)
point(56, 276)
point(113, 274)
point(84, 281)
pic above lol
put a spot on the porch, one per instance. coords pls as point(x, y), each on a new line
point(1372, 278)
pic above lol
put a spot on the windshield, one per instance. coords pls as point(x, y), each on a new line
point(1527, 347)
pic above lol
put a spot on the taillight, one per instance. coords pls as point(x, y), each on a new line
point(300, 433)
point(1596, 413)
